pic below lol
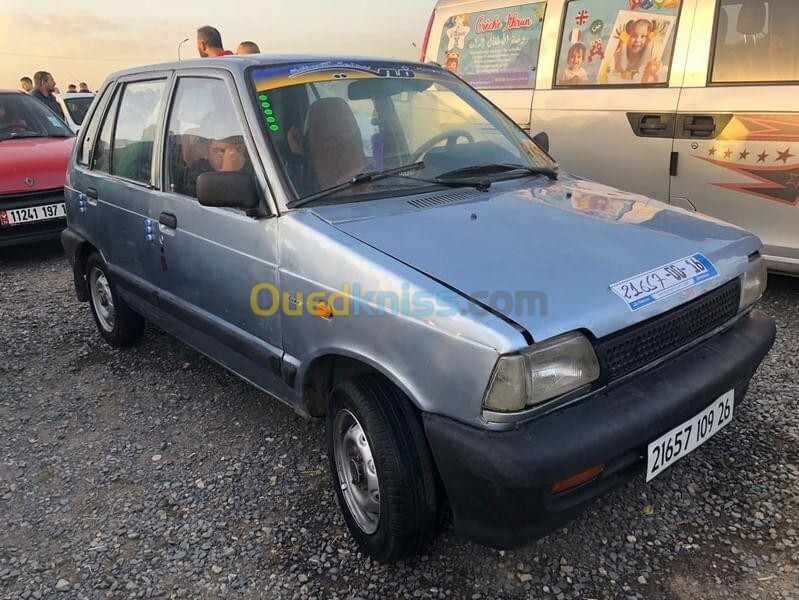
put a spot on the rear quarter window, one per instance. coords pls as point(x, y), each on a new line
point(493, 49)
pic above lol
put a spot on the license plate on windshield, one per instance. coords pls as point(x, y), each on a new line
point(19, 216)
point(685, 438)
point(666, 280)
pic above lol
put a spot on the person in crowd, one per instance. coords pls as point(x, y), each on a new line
point(248, 48)
point(26, 84)
point(44, 87)
point(209, 42)
point(72, 89)
point(83, 87)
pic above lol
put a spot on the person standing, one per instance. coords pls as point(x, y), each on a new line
point(72, 89)
point(44, 87)
point(248, 48)
point(209, 42)
point(84, 87)
point(25, 84)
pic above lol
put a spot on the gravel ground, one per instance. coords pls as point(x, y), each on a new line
point(151, 472)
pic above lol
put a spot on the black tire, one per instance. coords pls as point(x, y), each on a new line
point(128, 326)
point(405, 470)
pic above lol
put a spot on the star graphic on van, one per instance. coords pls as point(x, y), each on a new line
point(762, 157)
point(784, 156)
point(776, 183)
point(728, 153)
point(793, 181)
point(712, 151)
point(743, 155)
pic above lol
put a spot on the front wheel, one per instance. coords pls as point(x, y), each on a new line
point(116, 321)
point(382, 469)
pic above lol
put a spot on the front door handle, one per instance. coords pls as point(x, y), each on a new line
point(91, 196)
point(659, 125)
point(168, 220)
point(706, 126)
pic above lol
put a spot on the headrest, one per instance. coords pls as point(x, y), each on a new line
point(752, 18)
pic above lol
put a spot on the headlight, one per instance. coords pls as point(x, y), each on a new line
point(753, 282)
point(542, 372)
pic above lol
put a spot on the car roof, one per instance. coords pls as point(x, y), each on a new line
point(74, 95)
point(242, 62)
point(11, 92)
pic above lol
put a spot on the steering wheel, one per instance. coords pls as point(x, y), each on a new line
point(451, 136)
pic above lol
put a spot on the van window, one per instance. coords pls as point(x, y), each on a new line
point(756, 41)
point(203, 135)
point(102, 150)
point(617, 42)
point(135, 131)
point(494, 49)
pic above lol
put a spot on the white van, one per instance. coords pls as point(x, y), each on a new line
point(694, 102)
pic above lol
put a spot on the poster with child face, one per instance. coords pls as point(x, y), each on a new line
point(617, 42)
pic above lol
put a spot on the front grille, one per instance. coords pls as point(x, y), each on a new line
point(639, 345)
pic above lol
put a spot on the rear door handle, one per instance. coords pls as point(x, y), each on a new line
point(168, 220)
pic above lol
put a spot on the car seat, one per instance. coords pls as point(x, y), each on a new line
point(334, 142)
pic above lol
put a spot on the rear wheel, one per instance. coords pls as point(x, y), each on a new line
point(382, 469)
point(116, 321)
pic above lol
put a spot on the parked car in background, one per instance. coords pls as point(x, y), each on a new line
point(692, 102)
point(74, 107)
point(34, 149)
point(476, 326)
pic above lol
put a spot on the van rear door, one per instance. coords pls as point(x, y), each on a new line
point(494, 46)
point(610, 105)
point(737, 135)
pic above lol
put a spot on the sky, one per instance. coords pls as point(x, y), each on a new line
point(86, 40)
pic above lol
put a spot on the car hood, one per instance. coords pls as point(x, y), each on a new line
point(561, 246)
point(29, 165)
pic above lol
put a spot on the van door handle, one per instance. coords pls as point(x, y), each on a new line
point(707, 126)
point(168, 220)
point(660, 125)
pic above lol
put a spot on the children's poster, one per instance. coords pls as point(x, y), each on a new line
point(617, 42)
point(494, 49)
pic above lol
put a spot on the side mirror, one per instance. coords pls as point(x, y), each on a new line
point(232, 189)
point(542, 139)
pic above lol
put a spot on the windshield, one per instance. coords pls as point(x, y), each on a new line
point(332, 121)
point(22, 116)
point(78, 107)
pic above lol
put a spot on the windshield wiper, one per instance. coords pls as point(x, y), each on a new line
point(490, 168)
point(25, 134)
point(372, 176)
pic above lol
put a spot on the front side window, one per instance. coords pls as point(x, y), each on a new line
point(617, 42)
point(101, 160)
point(330, 122)
point(203, 135)
point(494, 49)
point(136, 129)
point(22, 116)
point(756, 41)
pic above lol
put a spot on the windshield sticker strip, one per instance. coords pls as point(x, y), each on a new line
point(277, 77)
point(664, 281)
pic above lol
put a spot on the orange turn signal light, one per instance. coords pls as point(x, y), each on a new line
point(575, 480)
point(322, 309)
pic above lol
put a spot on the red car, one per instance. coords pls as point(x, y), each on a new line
point(35, 145)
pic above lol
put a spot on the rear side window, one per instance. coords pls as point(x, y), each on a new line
point(203, 135)
point(756, 41)
point(136, 129)
point(617, 42)
point(494, 49)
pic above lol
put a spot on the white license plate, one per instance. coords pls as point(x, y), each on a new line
point(18, 216)
point(665, 281)
point(685, 438)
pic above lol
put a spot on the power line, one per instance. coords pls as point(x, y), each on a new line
point(103, 59)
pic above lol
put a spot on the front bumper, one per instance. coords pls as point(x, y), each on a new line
point(498, 482)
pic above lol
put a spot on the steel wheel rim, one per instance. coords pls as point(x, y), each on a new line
point(102, 299)
point(357, 472)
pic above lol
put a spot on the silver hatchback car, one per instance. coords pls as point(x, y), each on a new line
point(375, 243)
